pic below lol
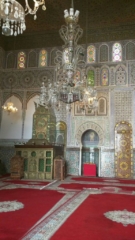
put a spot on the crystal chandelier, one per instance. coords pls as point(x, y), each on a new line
point(12, 15)
point(10, 108)
point(66, 88)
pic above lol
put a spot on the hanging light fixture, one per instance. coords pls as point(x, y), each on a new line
point(66, 88)
point(12, 15)
point(9, 107)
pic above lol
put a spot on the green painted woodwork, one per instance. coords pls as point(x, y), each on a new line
point(48, 154)
point(48, 161)
point(48, 168)
point(25, 164)
point(41, 165)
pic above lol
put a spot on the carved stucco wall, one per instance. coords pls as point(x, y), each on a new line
point(120, 95)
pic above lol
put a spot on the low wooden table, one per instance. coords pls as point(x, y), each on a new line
point(89, 169)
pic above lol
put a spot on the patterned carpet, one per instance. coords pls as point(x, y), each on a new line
point(60, 214)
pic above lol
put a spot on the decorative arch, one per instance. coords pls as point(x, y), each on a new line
point(31, 95)
point(11, 60)
point(52, 56)
point(117, 52)
point(130, 51)
point(86, 126)
point(9, 95)
point(104, 53)
point(61, 132)
point(104, 76)
point(32, 59)
point(91, 54)
point(102, 106)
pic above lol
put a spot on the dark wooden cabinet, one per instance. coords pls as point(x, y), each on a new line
point(59, 168)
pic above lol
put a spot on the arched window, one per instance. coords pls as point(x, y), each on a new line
point(91, 54)
point(11, 60)
point(117, 52)
point(90, 78)
point(130, 51)
point(42, 58)
point(32, 57)
point(21, 61)
point(104, 53)
point(102, 107)
point(104, 77)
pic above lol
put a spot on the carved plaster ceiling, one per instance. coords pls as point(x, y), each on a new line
point(101, 20)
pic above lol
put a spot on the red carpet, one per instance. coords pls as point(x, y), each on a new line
point(26, 182)
point(14, 224)
point(89, 223)
point(95, 179)
point(81, 186)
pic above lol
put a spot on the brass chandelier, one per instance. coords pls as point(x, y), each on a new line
point(12, 15)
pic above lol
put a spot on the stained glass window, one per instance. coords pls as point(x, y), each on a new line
point(21, 63)
point(130, 51)
point(103, 53)
point(91, 54)
point(90, 78)
point(117, 52)
point(42, 58)
point(104, 77)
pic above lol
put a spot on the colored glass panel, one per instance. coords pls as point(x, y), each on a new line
point(91, 53)
point(117, 52)
point(21, 60)
point(42, 58)
point(41, 165)
point(90, 78)
point(104, 77)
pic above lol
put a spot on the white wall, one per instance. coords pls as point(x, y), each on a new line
point(11, 125)
point(29, 118)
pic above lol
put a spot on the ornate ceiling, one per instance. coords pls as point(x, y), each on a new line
point(101, 20)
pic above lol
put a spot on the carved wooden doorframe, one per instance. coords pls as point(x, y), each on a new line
point(123, 150)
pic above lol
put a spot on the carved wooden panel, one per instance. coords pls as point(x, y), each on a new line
point(17, 165)
point(123, 150)
point(59, 169)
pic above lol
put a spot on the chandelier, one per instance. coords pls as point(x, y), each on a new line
point(12, 15)
point(67, 88)
point(10, 108)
